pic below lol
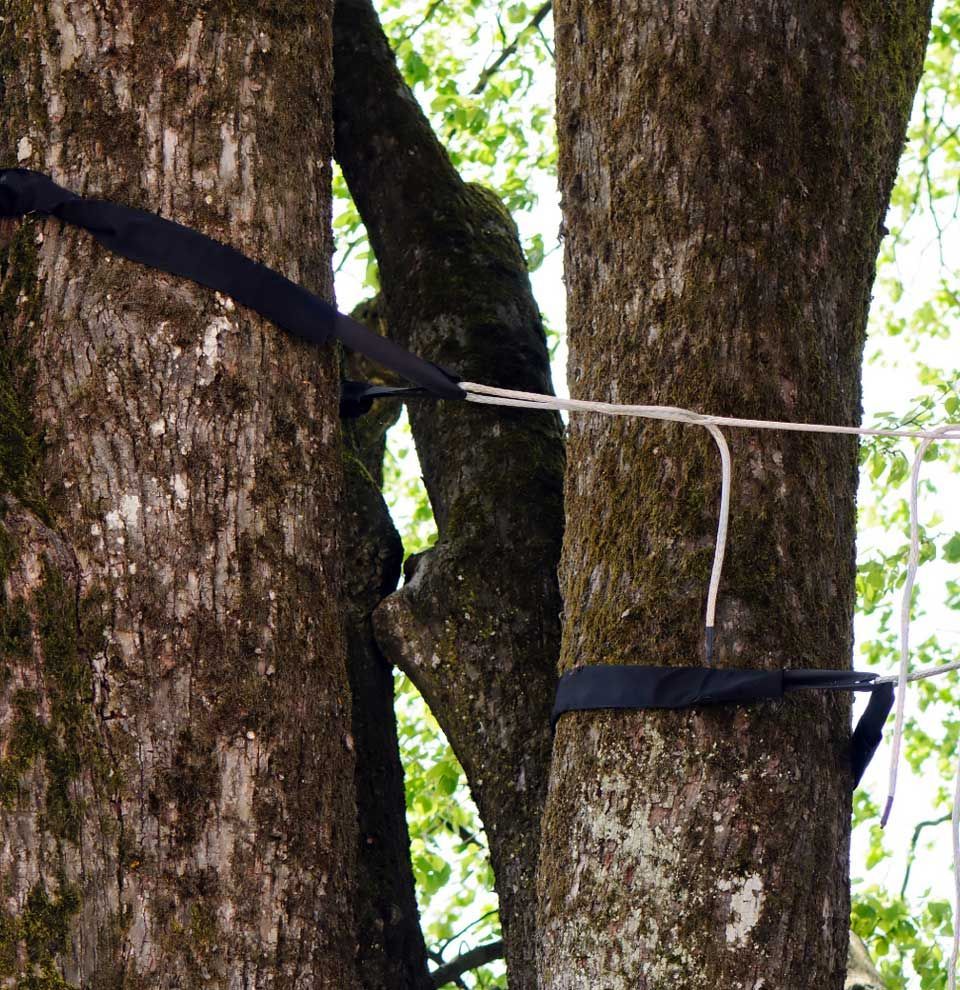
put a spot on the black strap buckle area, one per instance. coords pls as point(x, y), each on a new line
point(621, 686)
point(356, 398)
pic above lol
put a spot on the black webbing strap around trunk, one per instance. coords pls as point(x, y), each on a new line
point(150, 240)
point(612, 686)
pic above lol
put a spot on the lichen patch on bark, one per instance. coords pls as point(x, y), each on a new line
point(746, 903)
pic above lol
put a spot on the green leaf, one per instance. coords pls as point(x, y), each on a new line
point(951, 549)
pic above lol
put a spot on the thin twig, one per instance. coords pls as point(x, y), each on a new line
point(546, 43)
point(912, 854)
point(509, 50)
point(465, 929)
point(350, 248)
point(431, 10)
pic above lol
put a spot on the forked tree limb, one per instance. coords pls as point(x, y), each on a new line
point(477, 626)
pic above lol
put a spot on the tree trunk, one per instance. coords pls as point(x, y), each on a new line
point(725, 168)
point(177, 772)
point(476, 626)
point(391, 952)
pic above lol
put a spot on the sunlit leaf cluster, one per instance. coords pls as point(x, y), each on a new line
point(483, 73)
point(448, 848)
point(915, 314)
point(900, 934)
point(477, 69)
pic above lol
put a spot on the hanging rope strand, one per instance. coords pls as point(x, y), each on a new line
point(487, 395)
point(955, 836)
point(726, 474)
point(913, 563)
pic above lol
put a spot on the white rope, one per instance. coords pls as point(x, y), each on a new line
point(951, 431)
point(921, 675)
point(726, 469)
point(955, 835)
point(913, 562)
point(490, 395)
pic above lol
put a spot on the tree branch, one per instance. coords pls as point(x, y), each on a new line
point(861, 973)
point(508, 50)
point(478, 638)
point(393, 952)
point(481, 955)
point(912, 854)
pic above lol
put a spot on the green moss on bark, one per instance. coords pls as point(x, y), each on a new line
point(191, 784)
point(8, 944)
point(46, 978)
point(27, 740)
point(21, 298)
point(45, 923)
point(31, 940)
point(67, 679)
point(62, 740)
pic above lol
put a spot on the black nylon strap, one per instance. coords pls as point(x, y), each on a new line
point(150, 240)
point(356, 398)
point(635, 686)
point(622, 686)
point(869, 730)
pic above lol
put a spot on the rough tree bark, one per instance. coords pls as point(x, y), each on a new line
point(176, 804)
point(476, 627)
point(725, 168)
